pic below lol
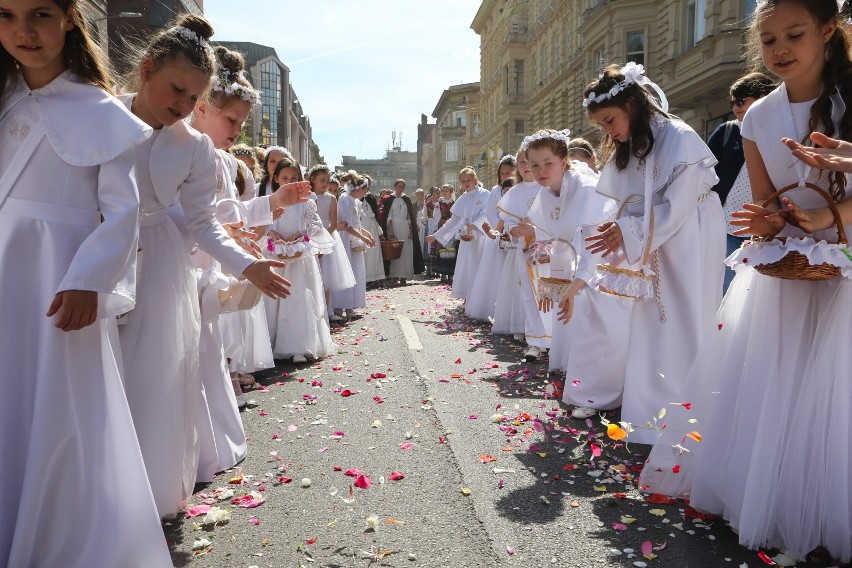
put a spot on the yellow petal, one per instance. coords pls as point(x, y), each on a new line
point(695, 436)
point(658, 512)
point(627, 519)
point(600, 488)
point(615, 432)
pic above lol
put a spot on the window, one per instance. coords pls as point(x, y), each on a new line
point(636, 47)
point(600, 61)
point(270, 103)
point(568, 40)
point(477, 127)
point(452, 151)
point(542, 57)
point(519, 76)
point(554, 50)
point(451, 178)
point(459, 118)
point(695, 21)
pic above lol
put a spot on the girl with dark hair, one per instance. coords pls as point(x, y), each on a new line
point(671, 227)
point(774, 457)
point(69, 210)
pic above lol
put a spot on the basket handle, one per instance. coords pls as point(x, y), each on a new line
point(242, 209)
point(841, 232)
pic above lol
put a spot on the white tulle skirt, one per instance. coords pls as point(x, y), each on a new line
point(76, 493)
point(592, 350)
point(481, 304)
point(335, 268)
point(356, 296)
point(300, 325)
point(245, 335)
point(771, 394)
point(508, 310)
point(159, 347)
point(467, 263)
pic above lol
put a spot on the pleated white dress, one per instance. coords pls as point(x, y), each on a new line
point(335, 268)
point(483, 304)
point(469, 209)
point(298, 324)
point(349, 211)
point(771, 390)
point(76, 490)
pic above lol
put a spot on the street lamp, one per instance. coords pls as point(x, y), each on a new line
point(119, 15)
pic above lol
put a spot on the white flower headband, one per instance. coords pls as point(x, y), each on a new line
point(840, 4)
point(187, 33)
point(244, 152)
point(234, 88)
point(350, 187)
point(563, 135)
point(285, 151)
point(634, 74)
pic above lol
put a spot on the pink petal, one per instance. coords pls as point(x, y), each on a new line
point(647, 548)
point(619, 526)
point(510, 551)
point(198, 510)
point(596, 451)
point(352, 472)
point(406, 445)
point(396, 476)
point(363, 482)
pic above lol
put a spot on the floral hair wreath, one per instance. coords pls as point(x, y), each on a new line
point(634, 74)
point(226, 82)
point(190, 35)
point(563, 135)
point(319, 168)
point(244, 152)
point(350, 187)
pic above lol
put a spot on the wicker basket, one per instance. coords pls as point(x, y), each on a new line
point(635, 280)
point(392, 250)
point(293, 257)
point(795, 265)
point(552, 289)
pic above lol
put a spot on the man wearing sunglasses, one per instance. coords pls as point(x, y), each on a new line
point(726, 143)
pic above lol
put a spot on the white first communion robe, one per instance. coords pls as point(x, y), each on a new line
point(76, 493)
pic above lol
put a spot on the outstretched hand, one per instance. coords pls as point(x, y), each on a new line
point(808, 220)
point(246, 239)
point(608, 240)
point(261, 274)
point(833, 154)
point(758, 221)
point(291, 194)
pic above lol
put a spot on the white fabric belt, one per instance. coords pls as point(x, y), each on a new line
point(155, 218)
point(51, 213)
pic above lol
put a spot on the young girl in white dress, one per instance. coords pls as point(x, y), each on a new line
point(774, 459)
point(298, 324)
point(468, 213)
point(514, 208)
point(661, 171)
point(336, 271)
point(373, 260)
point(244, 332)
point(483, 304)
point(509, 310)
point(355, 239)
point(161, 340)
point(68, 240)
point(590, 339)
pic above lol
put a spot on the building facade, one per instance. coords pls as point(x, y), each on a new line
point(385, 171)
point(537, 56)
point(425, 154)
point(279, 119)
point(126, 33)
point(457, 137)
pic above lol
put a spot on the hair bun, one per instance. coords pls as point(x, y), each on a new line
point(198, 24)
point(230, 60)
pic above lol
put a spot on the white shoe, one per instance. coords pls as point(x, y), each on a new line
point(241, 401)
point(299, 359)
point(532, 354)
point(583, 412)
point(518, 337)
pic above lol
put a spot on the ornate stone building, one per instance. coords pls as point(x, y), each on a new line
point(397, 163)
point(538, 55)
point(457, 137)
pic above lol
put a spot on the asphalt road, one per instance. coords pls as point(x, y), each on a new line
point(495, 473)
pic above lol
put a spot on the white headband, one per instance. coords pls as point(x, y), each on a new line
point(284, 151)
point(187, 33)
point(350, 187)
point(234, 88)
point(634, 74)
point(563, 135)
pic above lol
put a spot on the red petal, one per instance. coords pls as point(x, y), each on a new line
point(363, 482)
point(396, 476)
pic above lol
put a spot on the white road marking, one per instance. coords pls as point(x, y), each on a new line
point(410, 334)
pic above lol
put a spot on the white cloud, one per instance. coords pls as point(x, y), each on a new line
point(361, 69)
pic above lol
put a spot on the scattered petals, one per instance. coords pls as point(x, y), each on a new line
point(363, 482)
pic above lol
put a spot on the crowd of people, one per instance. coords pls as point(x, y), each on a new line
point(158, 264)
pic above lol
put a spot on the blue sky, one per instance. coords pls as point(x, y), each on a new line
point(362, 68)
